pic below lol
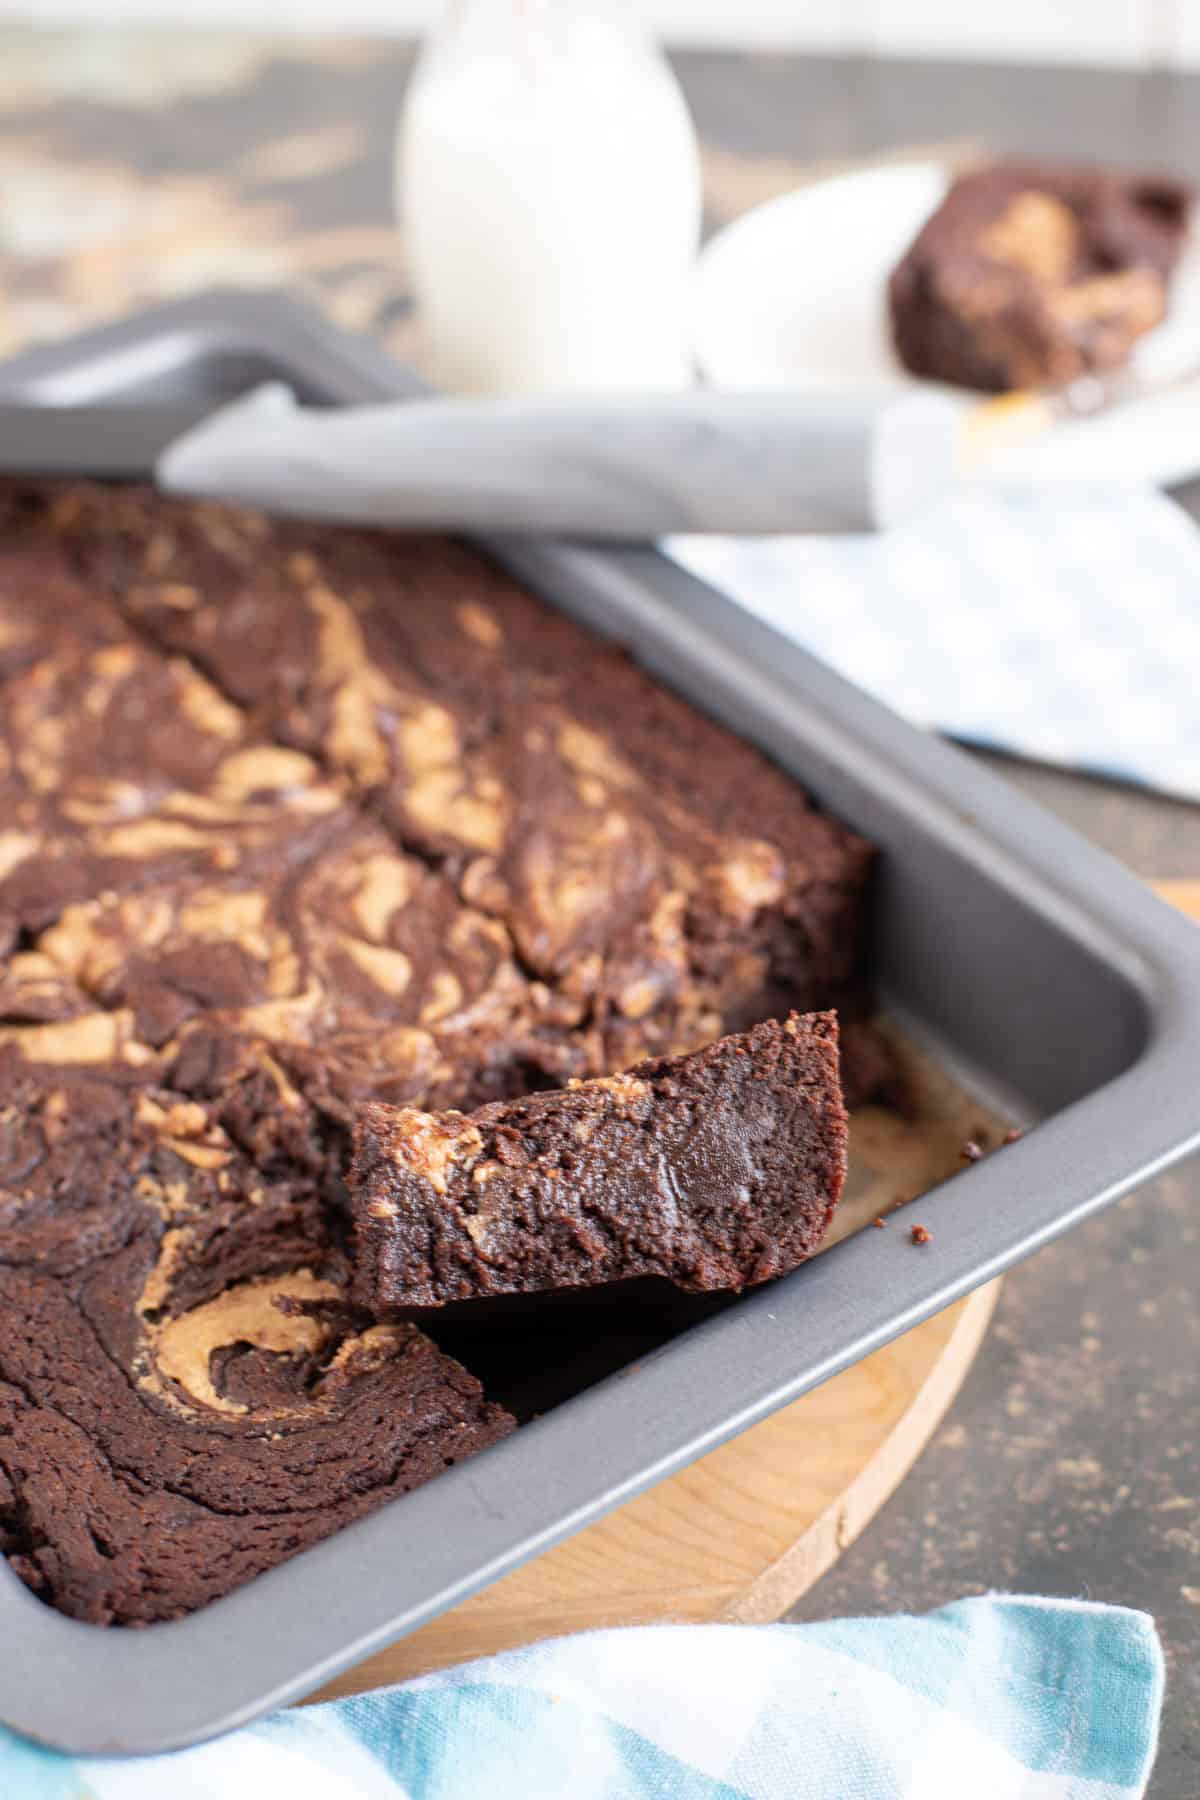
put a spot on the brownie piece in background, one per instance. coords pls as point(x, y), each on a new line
point(1033, 274)
point(715, 1170)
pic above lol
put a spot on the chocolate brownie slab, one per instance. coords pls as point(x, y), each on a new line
point(601, 819)
point(292, 821)
point(1032, 274)
point(168, 1428)
point(715, 1170)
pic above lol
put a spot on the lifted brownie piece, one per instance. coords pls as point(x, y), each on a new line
point(715, 1170)
point(1033, 274)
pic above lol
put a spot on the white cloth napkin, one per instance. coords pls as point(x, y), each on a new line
point(1061, 624)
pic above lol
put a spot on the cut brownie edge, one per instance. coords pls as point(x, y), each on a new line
point(716, 1171)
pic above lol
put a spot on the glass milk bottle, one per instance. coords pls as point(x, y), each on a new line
point(549, 185)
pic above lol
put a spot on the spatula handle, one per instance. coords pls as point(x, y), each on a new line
point(631, 468)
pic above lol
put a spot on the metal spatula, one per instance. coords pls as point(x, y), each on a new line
point(625, 468)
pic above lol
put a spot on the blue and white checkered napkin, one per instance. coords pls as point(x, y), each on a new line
point(1011, 1698)
point(1061, 624)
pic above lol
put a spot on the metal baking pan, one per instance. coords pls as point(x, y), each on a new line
point(1048, 980)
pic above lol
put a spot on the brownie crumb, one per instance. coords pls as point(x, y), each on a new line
point(919, 1235)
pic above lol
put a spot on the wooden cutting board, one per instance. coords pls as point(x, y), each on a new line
point(742, 1533)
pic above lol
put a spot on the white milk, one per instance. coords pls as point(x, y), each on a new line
point(550, 189)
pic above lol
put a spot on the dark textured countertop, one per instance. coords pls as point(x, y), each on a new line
point(136, 166)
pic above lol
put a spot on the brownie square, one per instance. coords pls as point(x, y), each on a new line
point(174, 1415)
point(1032, 274)
point(354, 963)
point(599, 818)
point(715, 1170)
point(119, 765)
